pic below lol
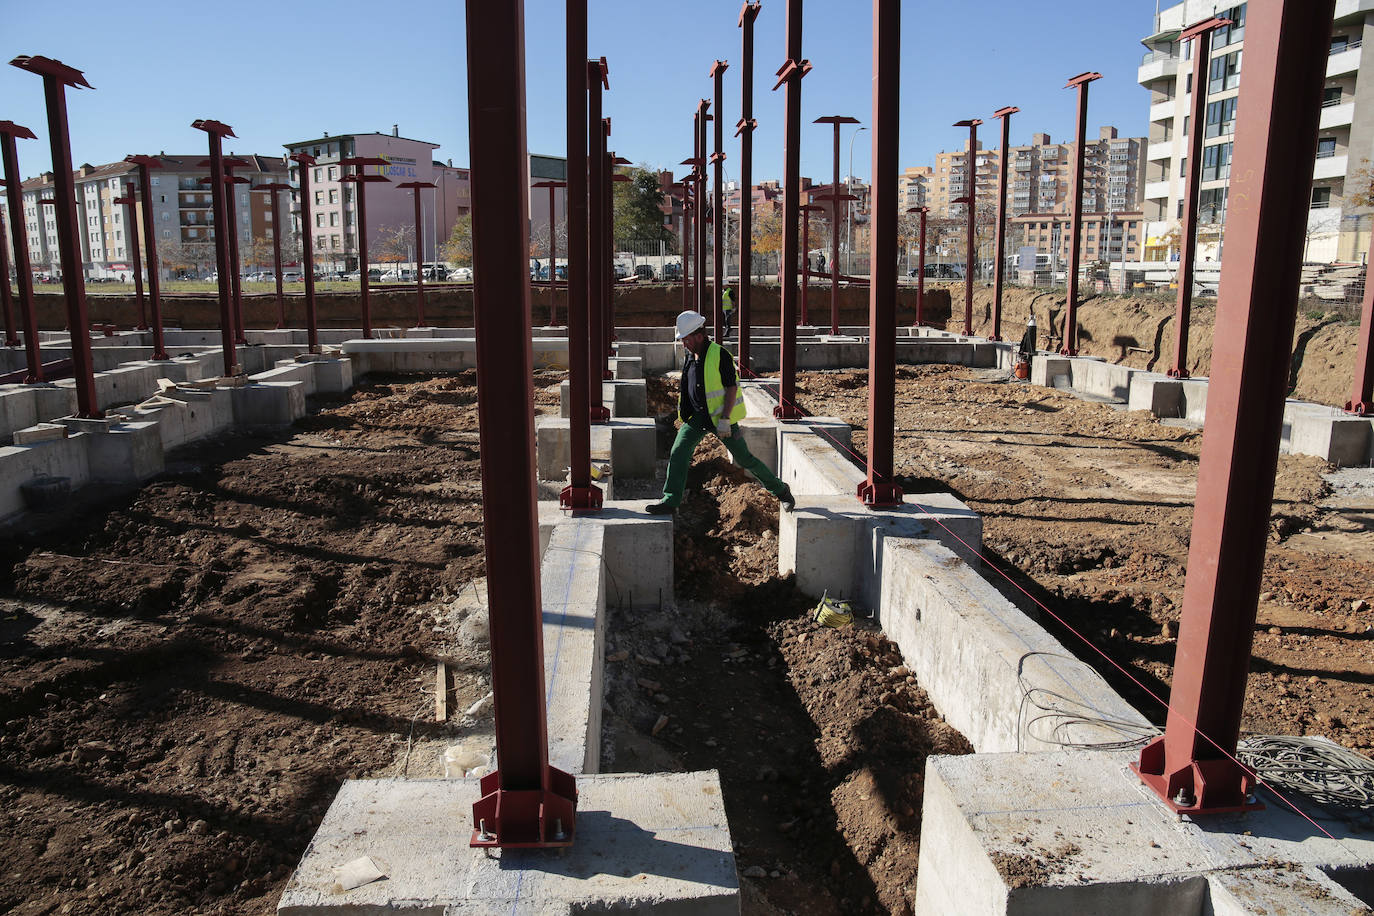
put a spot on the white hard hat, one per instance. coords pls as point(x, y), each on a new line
point(687, 322)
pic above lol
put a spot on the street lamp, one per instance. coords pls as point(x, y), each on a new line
point(849, 189)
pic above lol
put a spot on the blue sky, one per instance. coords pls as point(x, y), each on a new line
point(282, 72)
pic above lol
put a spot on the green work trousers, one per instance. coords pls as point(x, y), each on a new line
point(688, 437)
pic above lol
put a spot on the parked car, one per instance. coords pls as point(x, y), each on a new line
point(461, 274)
point(292, 276)
point(621, 271)
point(944, 272)
point(644, 272)
point(436, 273)
point(672, 271)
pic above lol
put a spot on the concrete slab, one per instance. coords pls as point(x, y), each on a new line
point(269, 405)
point(638, 551)
point(813, 457)
point(40, 432)
point(1326, 432)
point(1050, 371)
point(627, 367)
point(1077, 832)
point(68, 457)
point(645, 844)
point(572, 582)
point(628, 443)
point(1157, 393)
point(119, 452)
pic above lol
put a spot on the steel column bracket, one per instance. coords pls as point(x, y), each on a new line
point(9, 128)
point(46, 66)
point(717, 157)
point(528, 818)
point(575, 498)
point(1082, 78)
point(599, 69)
point(719, 66)
point(793, 69)
point(215, 127)
point(599, 414)
point(787, 412)
point(1216, 786)
point(877, 495)
point(750, 124)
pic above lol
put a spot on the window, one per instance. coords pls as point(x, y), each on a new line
point(166, 233)
point(1339, 43)
point(333, 173)
point(319, 220)
point(1212, 206)
point(319, 197)
point(1321, 198)
point(318, 172)
point(1216, 162)
point(1326, 147)
point(334, 219)
point(333, 195)
point(1221, 118)
point(1331, 96)
point(1233, 33)
point(153, 180)
point(1225, 73)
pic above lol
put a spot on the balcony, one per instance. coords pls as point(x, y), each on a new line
point(1163, 111)
point(1330, 166)
point(1338, 115)
point(1344, 61)
point(1157, 190)
point(1158, 65)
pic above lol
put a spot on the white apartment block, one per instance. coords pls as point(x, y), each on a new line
point(1337, 231)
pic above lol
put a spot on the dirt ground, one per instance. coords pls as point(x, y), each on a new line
point(1089, 508)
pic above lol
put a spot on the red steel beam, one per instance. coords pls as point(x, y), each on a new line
point(835, 197)
point(699, 122)
point(791, 73)
point(971, 255)
point(603, 344)
point(272, 188)
point(144, 164)
point(684, 227)
point(614, 177)
point(1193, 767)
point(216, 132)
point(552, 187)
point(580, 493)
point(1361, 401)
point(748, 13)
point(921, 268)
point(718, 194)
point(56, 77)
point(805, 319)
point(358, 163)
point(999, 255)
point(1202, 53)
point(131, 227)
point(6, 297)
point(880, 488)
point(525, 802)
point(14, 194)
point(1069, 345)
point(416, 187)
point(597, 82)
point(303, 163)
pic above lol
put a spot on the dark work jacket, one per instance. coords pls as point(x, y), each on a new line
point(691, 398)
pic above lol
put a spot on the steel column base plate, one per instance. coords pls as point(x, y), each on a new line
point(1179, 373)
point(880, 495)
point(1213, 786)
point(1066, 351)
point(1359, 408)
point(526, 819)
point(787, 412)
point(600, 415)
point(580, 498)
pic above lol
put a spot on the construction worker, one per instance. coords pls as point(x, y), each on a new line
point(727, 308)
point(709, 402)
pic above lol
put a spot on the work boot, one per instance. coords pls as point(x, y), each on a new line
point(660, 508)
point(789, 502)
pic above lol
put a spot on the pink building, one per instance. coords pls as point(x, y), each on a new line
point(333, 207)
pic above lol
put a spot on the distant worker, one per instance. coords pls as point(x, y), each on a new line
point(1026, 349)
point(708, 402)
point(727, 308)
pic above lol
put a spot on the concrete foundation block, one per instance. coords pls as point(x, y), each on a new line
point(628, 444)
point(813, 457)
point(627, 367)
point(1077, 832)
point(644, 844)
point(1159, 394)
point(1050, 371)
point(761, 435)
point(656, 357)
point(19, 464)
point(119, 452)
point(1328, 433)
point(572, 576)
point(834, 544)
point(270, 405)
point(1194, 399)
point(18, 409)
point(1093, 375)
point(638, 551)
point(40, 432)
point(628, 397)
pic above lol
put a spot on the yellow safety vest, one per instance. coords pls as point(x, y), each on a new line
point(727, 302)
point(715, 389)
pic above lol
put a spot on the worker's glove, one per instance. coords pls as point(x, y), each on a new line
point(723, 428)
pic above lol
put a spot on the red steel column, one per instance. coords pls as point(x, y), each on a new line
point(603, 346)
point(553, 187)
point(525, 802)
point(1192, 766)
point(580, 493)
point(699, 275)
point(272, 188)
point(835, 198)
point(790, 73)
point(613, 176)
point(970, 200)
point(359, 163)
point(596, 80)
point(921, 268)
point(745, 131)
point(216, 132)
point(718, 195)
point(806, 260)
point(1202, 52)
point(56, 77)
point(683, 249)
point(416, 186)
point(130, 202)
point(1362, 387)
point(1069, 346)
point(999, 263)
point(9, 131)
point(145, 163)
point(880, 488)
point(232, 218)
point(6, 297)
point(303, 163)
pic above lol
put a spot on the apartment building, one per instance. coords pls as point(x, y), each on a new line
point(948, 180)
point(1337, 230)
point(1040, 177)
point(333, 204)
point(913, 187)
point(182, 215)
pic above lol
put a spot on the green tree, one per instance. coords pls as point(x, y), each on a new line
point(458, 249)
point(637, 205)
